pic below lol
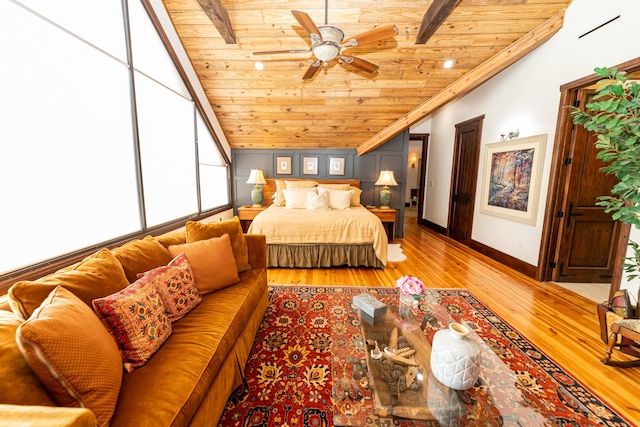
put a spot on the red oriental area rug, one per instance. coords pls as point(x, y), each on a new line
point(308, 368)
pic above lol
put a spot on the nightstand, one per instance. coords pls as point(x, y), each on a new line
point(247, 213)
point(388, 219)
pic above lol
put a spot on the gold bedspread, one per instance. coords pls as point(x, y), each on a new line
point(355, 225)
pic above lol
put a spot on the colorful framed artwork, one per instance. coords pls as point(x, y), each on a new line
point(310, 166)
point(283, 165)
point(336, 166)
point(512, 177)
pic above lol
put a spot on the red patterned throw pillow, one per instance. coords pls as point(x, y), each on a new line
point(176, 286)
point(136, 319)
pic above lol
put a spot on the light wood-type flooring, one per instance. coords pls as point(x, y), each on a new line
point(561, 323)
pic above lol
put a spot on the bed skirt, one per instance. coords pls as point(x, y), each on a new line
point(322, 255)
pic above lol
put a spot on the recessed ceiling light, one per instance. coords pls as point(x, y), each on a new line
point(259, 65)
point(448, 63)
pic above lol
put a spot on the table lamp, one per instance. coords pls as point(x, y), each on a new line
point(256, 177)
point(386, 178)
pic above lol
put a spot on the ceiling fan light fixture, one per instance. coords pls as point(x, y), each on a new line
point(329, 47)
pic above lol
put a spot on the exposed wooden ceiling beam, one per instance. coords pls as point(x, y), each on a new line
point(434, 17)
point(220, 18)
point(470, 81)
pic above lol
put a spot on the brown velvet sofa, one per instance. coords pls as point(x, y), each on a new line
point(186, 382)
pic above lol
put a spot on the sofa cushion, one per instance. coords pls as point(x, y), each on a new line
point(176, 286)
point(141, 255)
point(212, 261)
point(96, 276)
point(20, 385)
point(172, 238)
point(199, 231)
point(136, 319)
point(26, 416)
point(72, 353)
point(191, 359)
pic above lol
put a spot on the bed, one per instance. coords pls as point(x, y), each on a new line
point(308, 238)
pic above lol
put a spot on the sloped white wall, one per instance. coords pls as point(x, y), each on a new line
point(526, 97)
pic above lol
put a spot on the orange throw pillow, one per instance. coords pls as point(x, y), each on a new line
point(199, 231)
point(212, 262)
point(72, 353)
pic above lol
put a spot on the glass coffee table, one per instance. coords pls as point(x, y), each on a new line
point(369, 391)
point(399, 370)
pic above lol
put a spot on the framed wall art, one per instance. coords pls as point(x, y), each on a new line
point(512, 177)
point(283, 165)
point(310, 166)
point(336, 166)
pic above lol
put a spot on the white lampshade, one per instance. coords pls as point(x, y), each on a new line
point(386, 178)
point(256, 177)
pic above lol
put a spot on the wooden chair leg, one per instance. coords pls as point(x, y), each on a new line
point(613, 340)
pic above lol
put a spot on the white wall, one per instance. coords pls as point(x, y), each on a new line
point(526, 97)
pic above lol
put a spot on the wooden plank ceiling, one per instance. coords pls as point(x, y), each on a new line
point(342, 107)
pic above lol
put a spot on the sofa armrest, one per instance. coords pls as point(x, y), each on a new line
point(49, 416)
point(257, 244)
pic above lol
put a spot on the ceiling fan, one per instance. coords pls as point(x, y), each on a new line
point(326, 42)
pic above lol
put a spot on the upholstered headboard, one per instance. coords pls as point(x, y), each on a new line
point(270, 186)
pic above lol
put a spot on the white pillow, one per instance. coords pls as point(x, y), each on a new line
point(317, 200)
point(338, 199)
point(295, 199)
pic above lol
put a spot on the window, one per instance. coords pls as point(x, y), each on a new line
point(80, 163)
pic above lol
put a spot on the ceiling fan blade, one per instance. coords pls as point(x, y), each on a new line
point(360, 63)
point(371, 36)
point(307, 23)
point(273, 52)
point(312, 70)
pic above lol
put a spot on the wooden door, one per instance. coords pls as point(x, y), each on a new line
point(588, 236)
point(424, 137)
point(463, 179)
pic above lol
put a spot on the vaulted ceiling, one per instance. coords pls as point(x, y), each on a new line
point(342, 106)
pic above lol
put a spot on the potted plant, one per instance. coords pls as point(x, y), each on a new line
point(614, 115)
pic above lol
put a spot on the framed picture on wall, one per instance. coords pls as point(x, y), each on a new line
point(283, 165)
point(310, 166)
point(512, 177)
point(336, 166)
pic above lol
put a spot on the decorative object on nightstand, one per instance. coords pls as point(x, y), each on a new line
point(386, 178)
point(256, 177)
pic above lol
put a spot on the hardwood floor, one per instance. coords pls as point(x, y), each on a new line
point(561, 323)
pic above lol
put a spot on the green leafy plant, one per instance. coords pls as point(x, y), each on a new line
point(614, 116)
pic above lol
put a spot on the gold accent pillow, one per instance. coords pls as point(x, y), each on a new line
point(141, 255)
point(96, 276)
point(212, 262)
point(73, 354)
point(200, 231)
